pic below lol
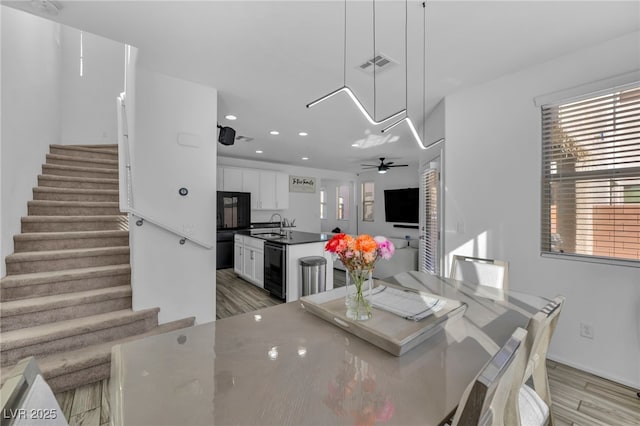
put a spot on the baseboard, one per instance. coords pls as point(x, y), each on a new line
point(608, 376)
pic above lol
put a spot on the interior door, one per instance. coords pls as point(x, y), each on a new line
point(430, 259)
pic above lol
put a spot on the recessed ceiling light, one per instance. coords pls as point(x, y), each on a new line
point(230, 117)
point(258, 152)
point(305, 158)
point(274, 132)
point(354, 144)
point(303, 133)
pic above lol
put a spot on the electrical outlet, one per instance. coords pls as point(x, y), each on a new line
point(586, 330)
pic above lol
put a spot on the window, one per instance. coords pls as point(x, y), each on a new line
point(323, 203)
point(591, 176)
point(368, 197)
point(342, 204)
point(430, 223)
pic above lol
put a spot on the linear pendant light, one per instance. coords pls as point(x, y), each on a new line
point(347, 90)
point(406, 118)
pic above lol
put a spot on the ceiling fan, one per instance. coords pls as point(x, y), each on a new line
point(382, 167)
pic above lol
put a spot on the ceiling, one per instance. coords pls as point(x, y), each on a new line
point(268, 59)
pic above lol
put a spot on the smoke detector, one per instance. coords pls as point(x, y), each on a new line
point(46, 7)
point(379, 62)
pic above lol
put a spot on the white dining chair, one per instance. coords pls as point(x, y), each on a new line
point(492, 397)
point(539, 333)
point(485, 272)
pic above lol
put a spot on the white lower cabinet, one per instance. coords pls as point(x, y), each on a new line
point(251, 260)
point(238, 249)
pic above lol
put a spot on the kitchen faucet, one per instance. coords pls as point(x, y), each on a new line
point(271, 220)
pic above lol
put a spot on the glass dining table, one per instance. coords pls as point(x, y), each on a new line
point(285, 366)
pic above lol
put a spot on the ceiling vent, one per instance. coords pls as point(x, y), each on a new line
point(241, 138)
point(380, 63)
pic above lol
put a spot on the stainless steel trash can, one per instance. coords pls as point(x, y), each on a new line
point(314, 274)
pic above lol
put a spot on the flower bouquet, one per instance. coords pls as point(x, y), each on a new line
point(359, 255)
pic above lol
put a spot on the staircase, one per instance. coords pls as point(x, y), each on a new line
point(66, 298)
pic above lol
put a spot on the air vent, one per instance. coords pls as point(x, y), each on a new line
point(241, 138)
point(380, 62)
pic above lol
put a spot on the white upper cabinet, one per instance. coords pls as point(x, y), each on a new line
point(282, 191)
point(251, 183)
point(232, 179)
point(269, 189)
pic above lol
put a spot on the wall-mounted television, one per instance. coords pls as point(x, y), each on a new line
point(402, 205)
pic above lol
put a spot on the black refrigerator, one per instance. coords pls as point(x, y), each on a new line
point(233, 214)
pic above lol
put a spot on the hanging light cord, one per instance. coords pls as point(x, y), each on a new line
point(344, 58)
point(406, 58)
point(424, 69)
point(374, 59)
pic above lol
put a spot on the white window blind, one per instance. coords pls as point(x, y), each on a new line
point(591, 176)
point(429, 233)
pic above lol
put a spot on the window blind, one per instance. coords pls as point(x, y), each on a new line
point(591, 176)
point(429, 234)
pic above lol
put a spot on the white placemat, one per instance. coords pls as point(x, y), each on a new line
point(407, 304)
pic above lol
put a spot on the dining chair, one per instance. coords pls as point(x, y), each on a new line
point(486, 272)
point(27, 399)
point(539, 333)
point(492, 397)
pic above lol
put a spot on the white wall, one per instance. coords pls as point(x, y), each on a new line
point(30, 112)
point(397, 178)
point(180, 279)
point(87, 109)
point(492, 167)
point(303, 207)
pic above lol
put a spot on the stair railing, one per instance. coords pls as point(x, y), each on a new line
point(126, 181)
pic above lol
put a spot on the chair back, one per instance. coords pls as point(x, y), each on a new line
point(492, 397)
point(539, 333)
point(486, 272)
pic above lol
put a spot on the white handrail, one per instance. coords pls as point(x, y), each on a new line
point(125, 182)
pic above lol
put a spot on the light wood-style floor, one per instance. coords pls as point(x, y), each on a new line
point(579, 398)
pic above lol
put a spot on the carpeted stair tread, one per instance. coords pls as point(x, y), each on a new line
point(39, 223)
point(67, 160)
point(37, 284)
point(73, 219)
point(71, 369)
point(31, 256)
point(75, 208)
point(30, 236)
point(56, 364)
point(113, 172)
point(64, 275)
point(52, 190)
point(81, 151)
point(58, 330)
point(38, 304)
point(57, 181)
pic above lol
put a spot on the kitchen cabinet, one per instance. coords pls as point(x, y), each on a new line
point(238, 248)
point(251, 183)
point(282, 191)
point(232, 179)
point(267, 190)
point(250, 263)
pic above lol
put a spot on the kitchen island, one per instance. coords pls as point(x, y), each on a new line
point(251, 259)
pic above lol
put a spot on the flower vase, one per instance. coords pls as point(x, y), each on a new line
point(358, 289)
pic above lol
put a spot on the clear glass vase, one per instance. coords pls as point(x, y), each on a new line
point(358, 289)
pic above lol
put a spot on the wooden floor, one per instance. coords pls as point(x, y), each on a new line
point(579, 398)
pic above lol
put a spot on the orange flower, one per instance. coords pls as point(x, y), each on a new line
point(366, 244)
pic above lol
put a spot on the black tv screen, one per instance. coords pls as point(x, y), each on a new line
point(402, 205)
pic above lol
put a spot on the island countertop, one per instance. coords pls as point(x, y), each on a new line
point(291, 237)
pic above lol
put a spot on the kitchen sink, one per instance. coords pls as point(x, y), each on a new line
point(268, 235)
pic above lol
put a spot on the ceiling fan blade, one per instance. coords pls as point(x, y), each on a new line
point(400, 165)
point(368, 166)
point(389, 163)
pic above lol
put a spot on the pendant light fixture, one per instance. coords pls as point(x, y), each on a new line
point(347, 90)
point(406, 118)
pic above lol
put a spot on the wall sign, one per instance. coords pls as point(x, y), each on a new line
point(302, 184)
